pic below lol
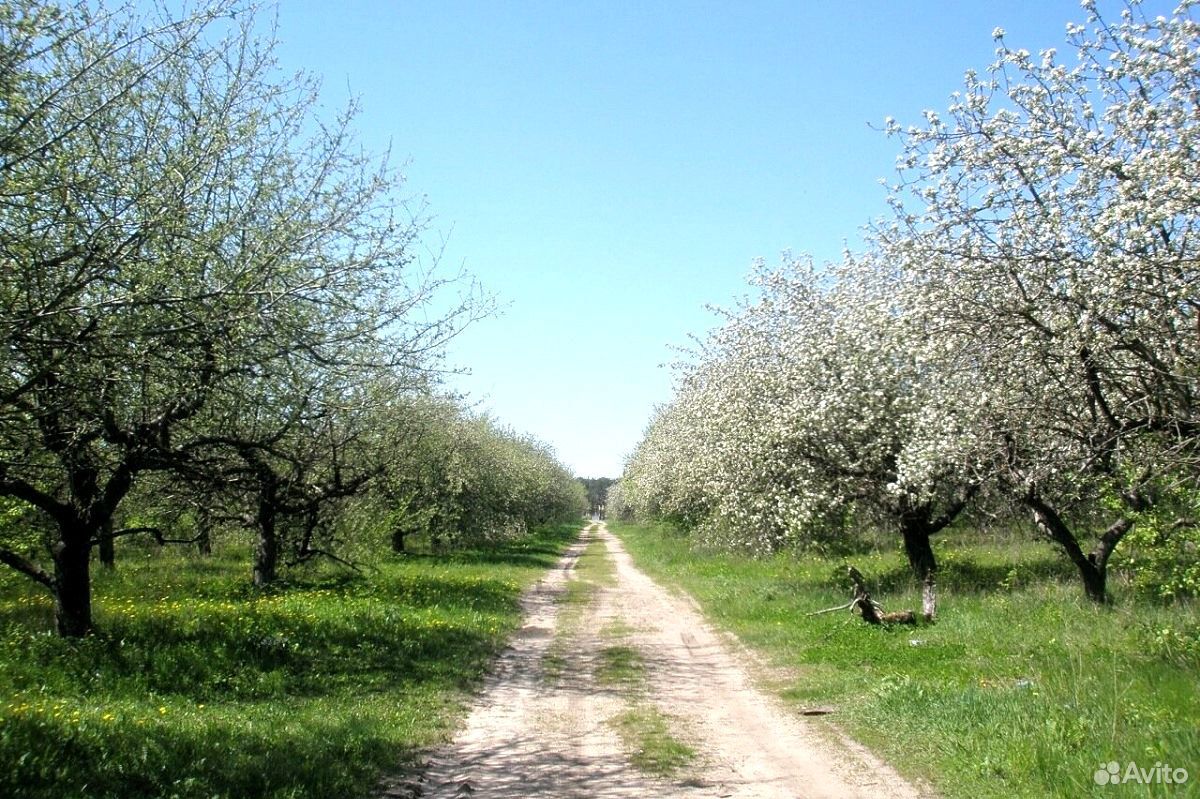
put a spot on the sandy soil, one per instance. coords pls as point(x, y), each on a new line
point(538, 734)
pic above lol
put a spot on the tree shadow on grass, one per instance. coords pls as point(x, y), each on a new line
point(251, 754)
point(429, 628)
point(539, 550)
point(968, 575)
point(262, 666)
point(331, 651)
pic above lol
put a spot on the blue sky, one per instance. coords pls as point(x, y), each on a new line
point(609, 168)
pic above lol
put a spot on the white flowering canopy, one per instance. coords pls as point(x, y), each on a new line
point(1026, 319)
point(802, 407)
point(1049, 229)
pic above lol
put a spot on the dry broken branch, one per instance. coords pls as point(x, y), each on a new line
point(870, 610)
point(831, 610)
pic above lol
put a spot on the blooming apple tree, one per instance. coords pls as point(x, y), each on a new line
point(804, 409)
point(1048, 225)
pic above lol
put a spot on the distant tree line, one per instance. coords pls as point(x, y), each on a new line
point(597, 489)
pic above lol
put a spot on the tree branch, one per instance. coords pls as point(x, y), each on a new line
point(19, 489)
point(26, 567)
point(309, 554)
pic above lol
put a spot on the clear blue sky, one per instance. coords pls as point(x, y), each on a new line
point(608, 168)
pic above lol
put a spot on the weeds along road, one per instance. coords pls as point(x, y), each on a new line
point(615, 687)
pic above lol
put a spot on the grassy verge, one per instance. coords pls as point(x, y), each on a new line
point(198, 686)
point(1022, 688)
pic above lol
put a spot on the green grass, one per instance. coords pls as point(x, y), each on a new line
point(554, 664)
point(198, 686)
point(595, 566)
point(622, 666)
point(646, 733)
point(618, 628)
point(592, 569)
point(1022, 688)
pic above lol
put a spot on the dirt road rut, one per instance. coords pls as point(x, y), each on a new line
point(595, 647)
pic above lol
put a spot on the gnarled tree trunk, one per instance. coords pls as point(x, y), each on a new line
point(398, 536)
point(1092, 566)
point(924, 565)
point(107, 547)
point(266, 549)
point(73, 583)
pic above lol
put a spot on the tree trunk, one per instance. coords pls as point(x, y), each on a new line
point(266, 552)
point(1093, 569)
point(73, 584)
point(398, 537)
point(204, 525)
point(924, 565)
point(108, 554)
point(107, 547)
point(1095, 579)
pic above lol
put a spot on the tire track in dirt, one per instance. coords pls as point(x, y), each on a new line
point(537, 733)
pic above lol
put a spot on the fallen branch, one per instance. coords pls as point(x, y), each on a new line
point(153, 532)
point(831, 610)
point(870, 610)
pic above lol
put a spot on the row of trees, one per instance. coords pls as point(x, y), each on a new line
point(215, 310)
point(1022, 333)
point(597, 489)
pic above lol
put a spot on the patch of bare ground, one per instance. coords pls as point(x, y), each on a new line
point(554, 718)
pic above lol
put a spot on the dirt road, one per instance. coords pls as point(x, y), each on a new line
point(603, 645)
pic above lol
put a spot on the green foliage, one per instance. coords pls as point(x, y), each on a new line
point(1161, 556)
point(465, 479)
point(597, 490)
point(196, 686)
point(18, 528)
point(1020, 690)
point(622, 666)
point(1177, 642)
